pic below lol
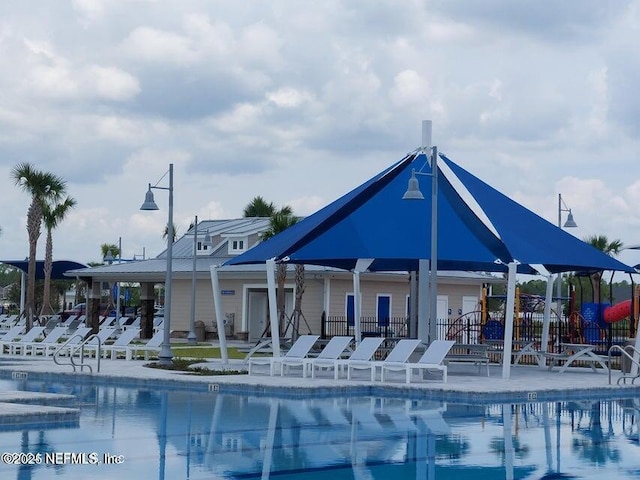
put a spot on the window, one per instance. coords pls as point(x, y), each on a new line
point(237, 245)
point(202, 247)
point(350, 309)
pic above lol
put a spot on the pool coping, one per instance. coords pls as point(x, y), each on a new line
point(263, 386)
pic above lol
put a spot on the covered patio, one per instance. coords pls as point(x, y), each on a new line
point(373, 229)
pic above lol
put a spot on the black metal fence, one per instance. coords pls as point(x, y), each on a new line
point(396, 327)
point(469, 329)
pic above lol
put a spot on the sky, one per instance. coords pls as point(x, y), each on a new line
point(299, 102)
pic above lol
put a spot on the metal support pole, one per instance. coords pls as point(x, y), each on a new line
point(191, 338)
point(165, 356)
point(433, 284)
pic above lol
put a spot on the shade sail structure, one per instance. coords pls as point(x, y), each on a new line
point(478, 228)
point(57, 269)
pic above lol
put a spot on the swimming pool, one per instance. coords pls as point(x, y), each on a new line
point(151, 433)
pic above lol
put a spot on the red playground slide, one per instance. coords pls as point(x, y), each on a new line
point(617, 312)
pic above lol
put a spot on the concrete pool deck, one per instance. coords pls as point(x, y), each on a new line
point(464, 381)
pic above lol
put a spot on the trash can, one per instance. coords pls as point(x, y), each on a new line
point(625, 362)
point(200, 331)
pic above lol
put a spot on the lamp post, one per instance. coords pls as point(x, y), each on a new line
point(109, 258)
point(191, 338)
point(413, 193)
point(165, 356)
point(570, 223)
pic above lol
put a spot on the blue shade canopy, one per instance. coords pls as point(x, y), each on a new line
point(57, 270)
point(478, 229)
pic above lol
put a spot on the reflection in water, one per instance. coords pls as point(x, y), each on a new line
point(201, 435)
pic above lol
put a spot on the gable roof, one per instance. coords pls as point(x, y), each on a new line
point(478, 229)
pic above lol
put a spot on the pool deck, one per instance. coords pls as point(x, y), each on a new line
point(464, 381)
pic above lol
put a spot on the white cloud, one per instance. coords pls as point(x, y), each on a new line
point(158, 46)
point(113, 83)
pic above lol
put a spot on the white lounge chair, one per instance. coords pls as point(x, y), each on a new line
point(298, 350)
point(331, 352)
point(431, 360)
point(49, 342)
point(98, 341)
point(122, 344)
point(17, 346)
point(328, 356)
point(400, 354)
point(363, 353)
point(153, 345)
point(74, 339)
point(12, 335)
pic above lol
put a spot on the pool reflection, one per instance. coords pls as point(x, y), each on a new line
point(208, 435)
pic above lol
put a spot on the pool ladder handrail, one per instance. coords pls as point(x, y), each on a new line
point(623, 351)
point(73, 348)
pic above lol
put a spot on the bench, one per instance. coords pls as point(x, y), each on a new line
point(477, 354)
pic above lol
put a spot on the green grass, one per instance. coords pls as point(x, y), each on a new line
point(183, 365)
point(190, 351)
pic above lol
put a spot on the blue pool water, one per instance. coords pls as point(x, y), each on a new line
point(179, 434)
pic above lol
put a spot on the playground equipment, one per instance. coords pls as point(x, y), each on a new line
point(617, 312)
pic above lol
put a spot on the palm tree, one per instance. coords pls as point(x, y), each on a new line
point(258, 207)
point(612, 248)
point(43, 187)
point(279, 222)
point(165, 233)
point(52, 216)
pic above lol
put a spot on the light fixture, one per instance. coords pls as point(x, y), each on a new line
point(413, 188)
point(165, 355)
point(149, 202)
point(109, 258)
point(570, 223)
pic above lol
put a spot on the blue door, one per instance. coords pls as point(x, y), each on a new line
point(351, 310)
point(384, 310)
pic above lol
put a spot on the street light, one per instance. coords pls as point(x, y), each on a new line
point(413, 193)
point(165, 356)
point(570, 223)
point(192, 338)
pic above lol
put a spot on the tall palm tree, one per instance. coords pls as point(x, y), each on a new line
point(52, 216)
point(279, 222)
point(43, 187)
point(612, 248)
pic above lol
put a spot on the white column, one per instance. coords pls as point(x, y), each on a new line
point(217, 305)
point(273, 307)
point(357, 306)
point(508, 321)
point(423, 300)
point(546, 320)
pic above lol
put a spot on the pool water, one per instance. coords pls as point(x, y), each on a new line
point(178, 434)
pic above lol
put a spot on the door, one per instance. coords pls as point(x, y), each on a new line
point(442, 313)
point(257, 309)
point(470, 304)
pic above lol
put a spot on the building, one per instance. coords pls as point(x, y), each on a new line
point(327, 302)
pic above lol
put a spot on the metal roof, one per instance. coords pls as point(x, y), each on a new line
point(154, 270)
point(241, 227)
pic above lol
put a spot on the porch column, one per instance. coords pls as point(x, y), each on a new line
point(147, 308)
point(94, 290)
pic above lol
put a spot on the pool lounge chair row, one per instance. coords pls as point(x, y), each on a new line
point(330, 359)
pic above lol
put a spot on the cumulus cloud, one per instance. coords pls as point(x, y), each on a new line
point(277, 98)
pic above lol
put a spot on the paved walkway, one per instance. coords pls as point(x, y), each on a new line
point(463, 379)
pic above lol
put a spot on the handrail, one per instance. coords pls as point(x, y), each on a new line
point(623, 351)
point(74, 348)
